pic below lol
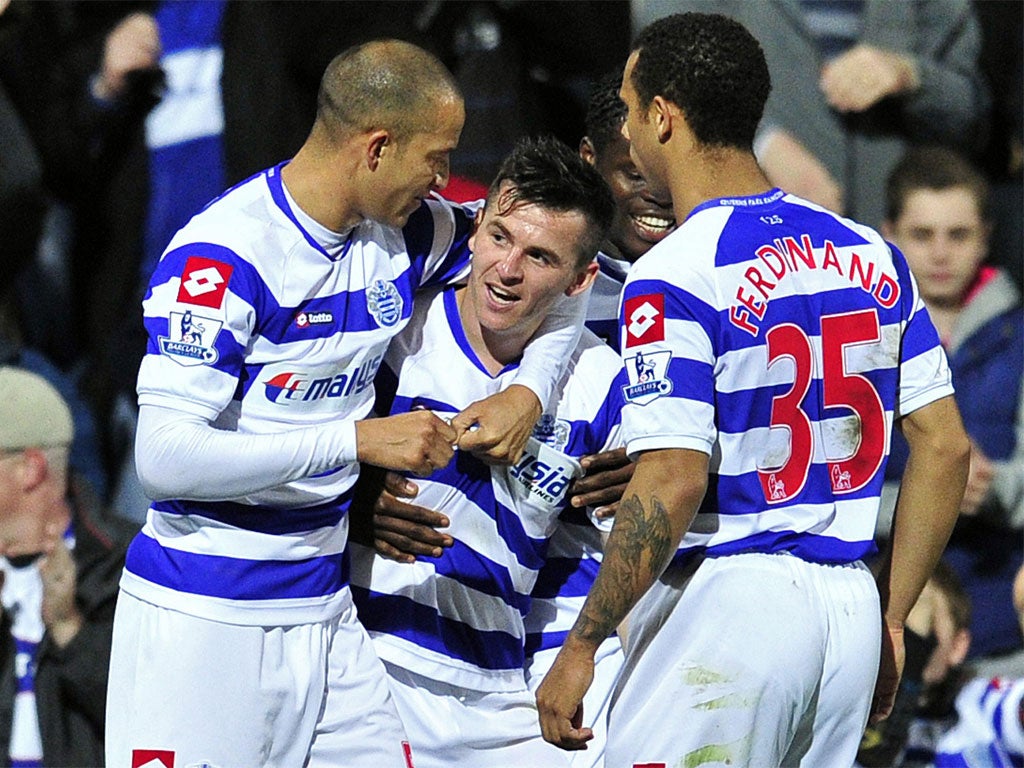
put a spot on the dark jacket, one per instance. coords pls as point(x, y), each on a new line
point(71, 682)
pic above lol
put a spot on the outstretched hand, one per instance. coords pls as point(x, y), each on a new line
point(402, 531)
point(606, 476)
point(417, 442)
point(496, 428)
point(560, 698)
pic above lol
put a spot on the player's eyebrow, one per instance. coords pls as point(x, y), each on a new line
point(533, 250)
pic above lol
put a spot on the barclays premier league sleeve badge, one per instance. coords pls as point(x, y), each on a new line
point(648, 377)
point(190, 339)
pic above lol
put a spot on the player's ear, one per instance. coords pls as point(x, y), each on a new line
point(887, 229)
point(478, 219)
point(587, 151)
point(583, 280)
point(663, 112)
point(377, 143)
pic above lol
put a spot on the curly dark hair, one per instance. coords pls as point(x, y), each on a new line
point(709, 66)
point(606, 112)
point(544, 171)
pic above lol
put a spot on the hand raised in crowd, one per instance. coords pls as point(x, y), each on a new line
point(606, 476)
point(979, 479)
point(60, 580)
point(417, 442)
point(791, 166)
point(133, 45)
point(864, 75)
point(496, 429)
point(401, 530)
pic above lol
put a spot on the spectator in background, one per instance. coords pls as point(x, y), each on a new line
point(938, 215)
point(852, 85)
point(937, 637)
point(989, 732)
point(59, 569)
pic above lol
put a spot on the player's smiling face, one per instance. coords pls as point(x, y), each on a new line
point(418, 165)
point(523, 260)
point(641, 217)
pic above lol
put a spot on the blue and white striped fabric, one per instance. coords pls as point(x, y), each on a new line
point(459, 618)
point(605, 294)
point(988, 732)
point(260, 320)
point(782, 340)
point(574, 553)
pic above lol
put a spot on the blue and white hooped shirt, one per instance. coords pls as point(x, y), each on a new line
point(783, 343)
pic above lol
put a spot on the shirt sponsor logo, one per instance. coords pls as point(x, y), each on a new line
point(191, 340)
point(644, 319)
point(152, 758)
point(294, 387)
point(204, 282)
point(648, 377)
point(384, 302)
point(306, 319)
point(543, 474)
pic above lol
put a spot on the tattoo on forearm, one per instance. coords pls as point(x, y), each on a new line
point(638, 550)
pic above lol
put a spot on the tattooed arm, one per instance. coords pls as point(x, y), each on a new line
point(656, 509)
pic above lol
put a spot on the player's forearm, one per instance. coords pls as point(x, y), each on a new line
point(658, 506)
point(929, 502)
point(547, 354)
point(179, 456)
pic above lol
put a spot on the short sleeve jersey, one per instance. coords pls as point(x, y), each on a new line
point(782, 340)
point(459, 617)
point(258, 322)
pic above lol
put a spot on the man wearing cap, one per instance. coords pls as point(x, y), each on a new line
point(59, 575)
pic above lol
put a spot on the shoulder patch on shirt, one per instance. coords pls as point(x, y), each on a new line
point(204, 282)
point(152, 758)
point(644, 319)
point(191, 338)
point(648, 377)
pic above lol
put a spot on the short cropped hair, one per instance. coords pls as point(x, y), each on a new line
point(712, 68)
point(937, 169)
point(388, 84)
point(606, 112)
point(545, 172)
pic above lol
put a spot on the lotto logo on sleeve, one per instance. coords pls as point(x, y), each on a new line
point(152, 758)
point(204, 281)
point(644, 318)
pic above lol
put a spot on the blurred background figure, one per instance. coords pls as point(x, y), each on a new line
point(60, 565)
point(937, 639)
point(853, 83)
point(938, 215)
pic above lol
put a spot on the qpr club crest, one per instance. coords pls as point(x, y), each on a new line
point(384, 302)
point(552, 431)
point(648, 377)
point(190, 339)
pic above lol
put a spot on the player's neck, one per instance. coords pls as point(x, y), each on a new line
point(494, 350)
point(316, 187)
point(712, 174)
